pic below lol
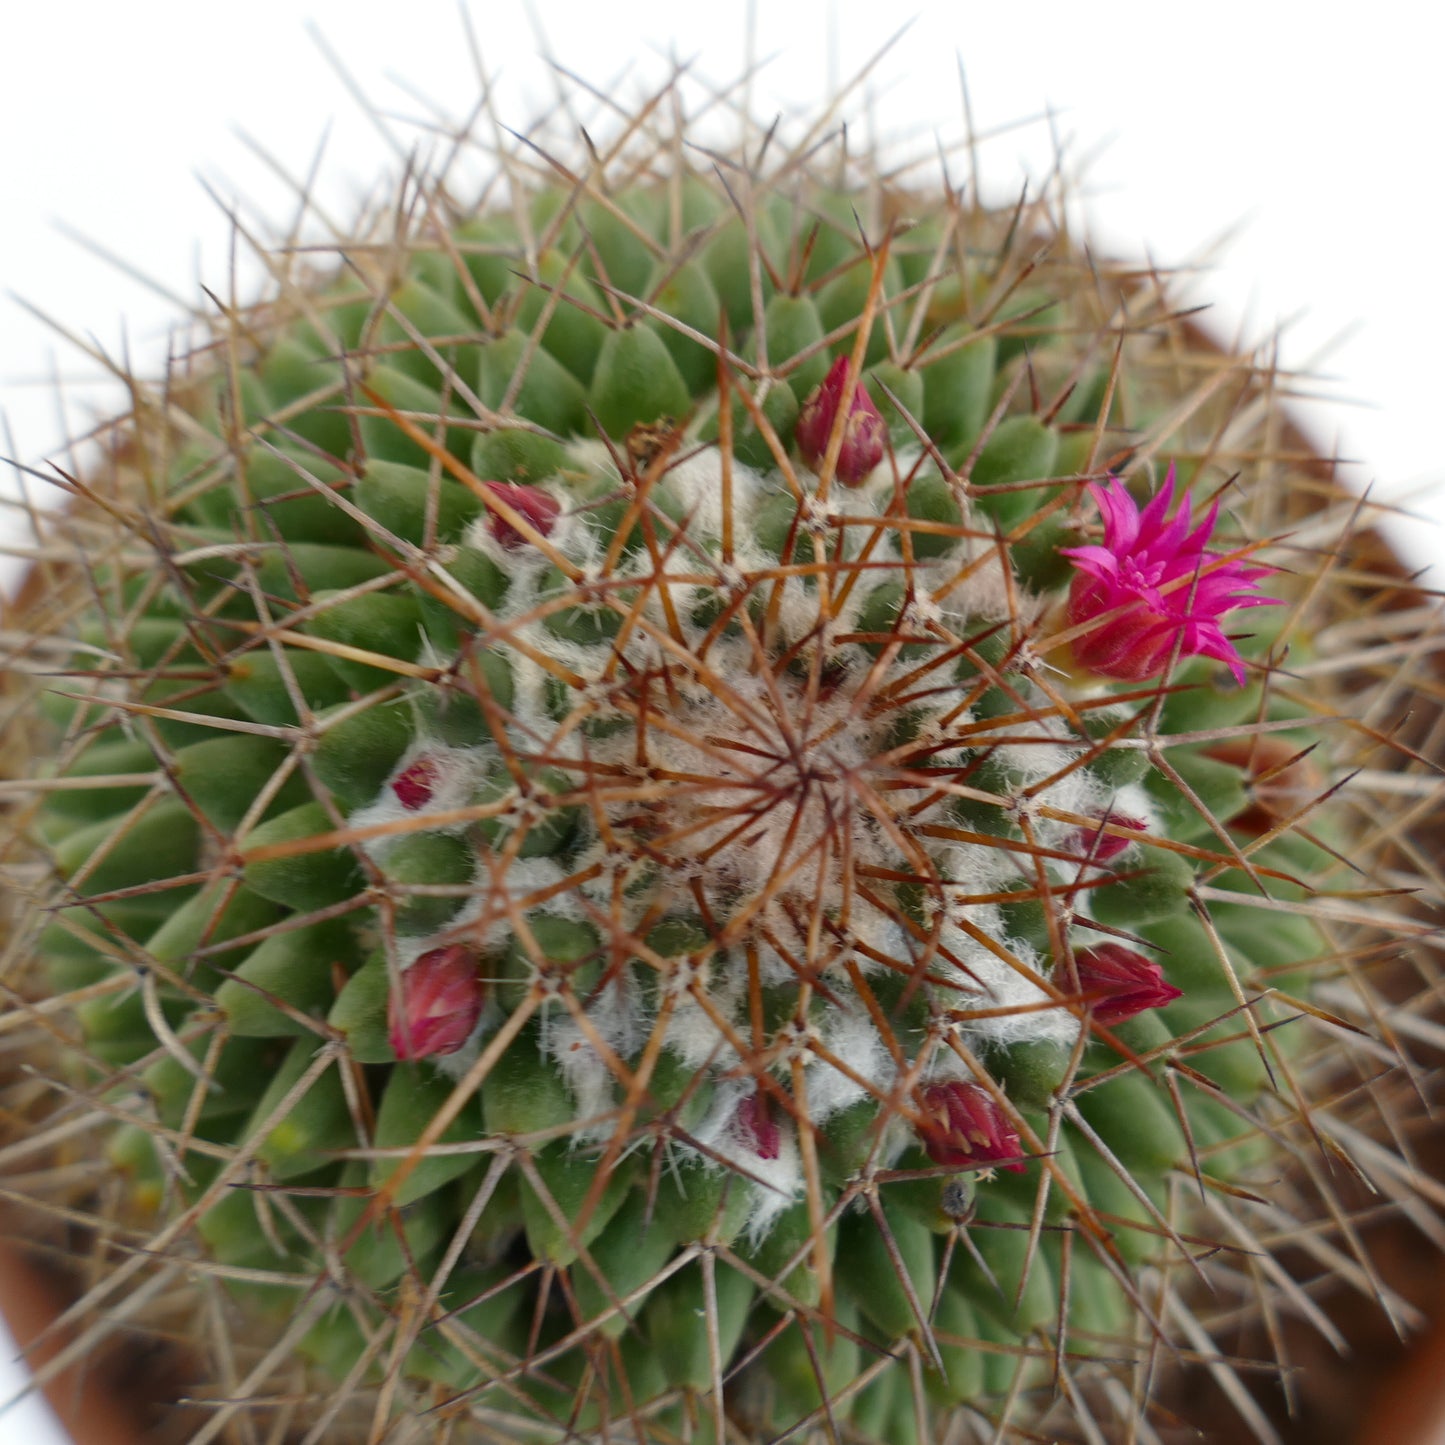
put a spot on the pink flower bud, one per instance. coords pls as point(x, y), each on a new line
point(1100, 847)
point(758, 1129)
point(536, 506)
point(415, 784)
point(1151, 592)
point(864, 432)
point(1121, 983)
point(963, 1127)
point(438, 1005)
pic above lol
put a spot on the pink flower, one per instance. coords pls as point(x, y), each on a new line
point(758, 1128)
point(438, 1006)
point(864, 432)
point(415, 784)
point(1101, 847)
point(536, 506)
point(1121, 983)
point(1125, 585)
point(963, 1127)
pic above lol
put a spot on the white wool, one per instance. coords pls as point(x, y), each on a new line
point(984, 980)
point(621, 881)
point(591, 455)
point(1043, 768)
point(614, 1018)
point(692, 1031)
point(697, 482)
point(872, 939)
point(985, 595)
point(498, 885)
point(974, 868)
point(878, 486)
point(852, 1038)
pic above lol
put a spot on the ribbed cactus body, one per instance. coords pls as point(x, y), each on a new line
point(624, 877)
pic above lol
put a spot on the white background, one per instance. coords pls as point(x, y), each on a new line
point(1316, 127)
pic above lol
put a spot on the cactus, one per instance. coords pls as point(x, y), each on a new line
point(700, 804)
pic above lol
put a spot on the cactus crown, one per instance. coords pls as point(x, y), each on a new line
point(675, 812)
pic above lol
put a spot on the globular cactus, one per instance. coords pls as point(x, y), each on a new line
point(706, 799)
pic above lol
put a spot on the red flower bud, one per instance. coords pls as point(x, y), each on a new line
point(963, 1127)
point(758, 1128)
point(1121, 983)
point(536, 506)
point(1101, 847)
point(415, 784)
point(438, 1005)
point(864, 431)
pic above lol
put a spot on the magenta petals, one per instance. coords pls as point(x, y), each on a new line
point(1151, 592)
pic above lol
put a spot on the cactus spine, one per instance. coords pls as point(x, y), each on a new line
point(693, 811)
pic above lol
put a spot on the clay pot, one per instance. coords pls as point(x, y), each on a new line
point(87, 1395)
